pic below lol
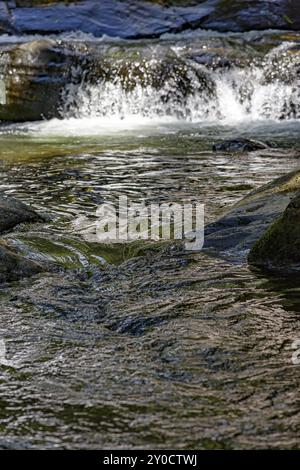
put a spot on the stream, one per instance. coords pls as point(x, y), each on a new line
point(143, 345)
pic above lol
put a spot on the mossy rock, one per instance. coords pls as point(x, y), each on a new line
point(279, 247)
point(238, 230)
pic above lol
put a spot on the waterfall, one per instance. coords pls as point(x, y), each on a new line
point(189, 91)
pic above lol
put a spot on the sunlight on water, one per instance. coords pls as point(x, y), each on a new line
point(131, 346)
point(186, 94)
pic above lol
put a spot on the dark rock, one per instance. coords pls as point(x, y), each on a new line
point(234, 234)
point(34, 75)
point(279, 246)
point(239, 145)
point(14, 212)
point(126, 18)
point(248, 15)
point(146, 18)
point(14, 266)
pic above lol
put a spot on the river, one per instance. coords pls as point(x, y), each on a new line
point(142, 346)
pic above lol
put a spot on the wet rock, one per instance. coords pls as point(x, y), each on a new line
point(234, 234)
point(126, 18)
point(32, 76)
point(14, 266)
point(146, 18)
point(239, 145)
point(244, 15)
point(14, 212)
point(279, 246)
point(164, 77)
point(39, 78)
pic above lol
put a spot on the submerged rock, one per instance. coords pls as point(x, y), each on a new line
point(239, 145)
point(14, 212)
point(32, 76)
point(234, 234)
point(12, 265)
point(279, 247)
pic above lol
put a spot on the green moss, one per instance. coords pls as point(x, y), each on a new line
point(280, 245)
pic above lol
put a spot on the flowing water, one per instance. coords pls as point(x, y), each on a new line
point(141, 345)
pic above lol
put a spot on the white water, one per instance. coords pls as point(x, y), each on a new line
point(268, 91)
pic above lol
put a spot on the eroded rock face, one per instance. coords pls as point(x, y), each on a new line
point(245, 15)
point(32, 76)
point(118, 18)
point(47, 78)
point(12, 265)
point(146, 18)
point(279, 247)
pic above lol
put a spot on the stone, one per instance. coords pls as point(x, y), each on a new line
point(14, 212)
point(279, 247)
point(32, 79)
point(146, 18)
point(238, 230)
point(239, 145)
point(14, 266)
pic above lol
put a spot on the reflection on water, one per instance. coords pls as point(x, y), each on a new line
point(143, 346)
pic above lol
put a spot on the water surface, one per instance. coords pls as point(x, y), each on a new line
point(140, 345)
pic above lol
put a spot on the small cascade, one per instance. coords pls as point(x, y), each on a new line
point(179, 88)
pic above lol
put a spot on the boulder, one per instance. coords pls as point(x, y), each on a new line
point(235, 233)
point(14, 212)
point(32, 77)
point(279, 247)
point(118, 18)
point(12, 265)
point(146, 18)
point(249, 15)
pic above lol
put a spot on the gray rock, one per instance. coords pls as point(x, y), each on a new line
point(258, 15)
point(33, 76)
point(279, 247)
point(239, 145)
point(146, 18)
point(234, 234)
point(118, 18)
point(14, 212)
point(12, 265)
